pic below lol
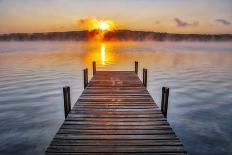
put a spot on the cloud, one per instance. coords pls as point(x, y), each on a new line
point(88, 23)
point(223, 21)
point(181, 23)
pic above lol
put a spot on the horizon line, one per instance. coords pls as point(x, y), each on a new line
point(113, 31)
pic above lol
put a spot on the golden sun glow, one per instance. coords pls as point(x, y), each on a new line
point(96, 24)
point(104, 26)
point(97, 28)
point(103, 54)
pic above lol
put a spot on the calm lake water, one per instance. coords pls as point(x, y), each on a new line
point(199, 75)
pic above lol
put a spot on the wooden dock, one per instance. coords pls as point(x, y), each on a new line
point(115, 115)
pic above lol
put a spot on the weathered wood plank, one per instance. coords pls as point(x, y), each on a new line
point(116, 103)
point(112, 119)
point(116, 127)
point(121, 137)
point(118, 153)
point(110, 115)
point(115, 132)
point(110, 142)
point(114, 123)
point(114, 107)
point(113, 149)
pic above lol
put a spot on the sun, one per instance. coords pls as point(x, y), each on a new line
point(96, 24)
point(104, 26)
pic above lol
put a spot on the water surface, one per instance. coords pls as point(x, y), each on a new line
point(32, 75)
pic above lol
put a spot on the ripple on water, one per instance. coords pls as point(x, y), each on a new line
point(32, 75)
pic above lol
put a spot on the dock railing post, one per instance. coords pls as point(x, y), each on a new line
point(145, 77)
point(94, 67)
point(67, 100)
point(164, 101)
point(136, 67)
point(85, 77)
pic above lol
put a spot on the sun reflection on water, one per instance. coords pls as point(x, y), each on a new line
point(103, 54)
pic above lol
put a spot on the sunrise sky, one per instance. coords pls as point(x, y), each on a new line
point(177, 16)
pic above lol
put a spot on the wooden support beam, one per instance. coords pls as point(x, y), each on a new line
point(67, 100)
point(164, 101)
point(136, 67)
point(94, 67)
point(145, 77)
point(85, 77)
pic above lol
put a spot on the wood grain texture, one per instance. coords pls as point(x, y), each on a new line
point(115, 115)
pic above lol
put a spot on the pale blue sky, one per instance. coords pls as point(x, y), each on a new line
point(179, 16)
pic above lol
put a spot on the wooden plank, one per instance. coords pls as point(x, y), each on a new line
point(112, 116)
point(115, 123)
point(116, 103)
point(113, 149)
point(109, 107)
point(116, 127)
point(115, 132)
point(112, 112)
point(116, 98)
point(114, 107)
point(112, 119)
point(110, 142)
point(118, 153)
point(115, 115)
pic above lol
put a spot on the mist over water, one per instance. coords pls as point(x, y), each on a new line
point(199, 75)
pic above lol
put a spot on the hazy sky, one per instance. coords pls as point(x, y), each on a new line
point(179, 16)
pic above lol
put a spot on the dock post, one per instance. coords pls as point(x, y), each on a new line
point(145, 77)
point(67, 100)
point(136, 67)
point(85, 77)
point(164, 101)
point(94, 67)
